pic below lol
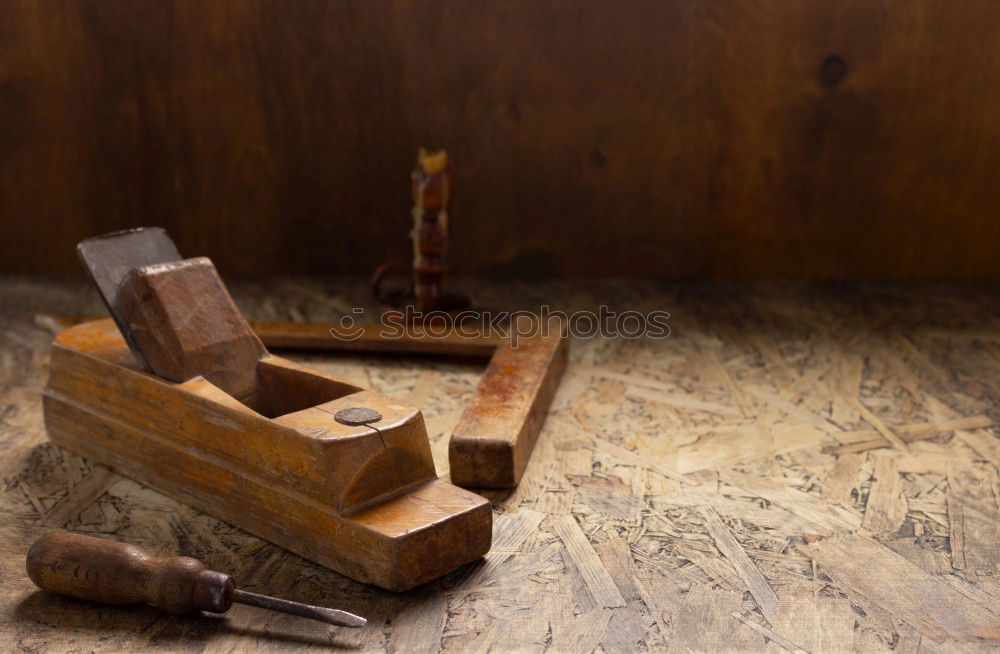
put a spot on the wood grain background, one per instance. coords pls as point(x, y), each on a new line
point(590, 137)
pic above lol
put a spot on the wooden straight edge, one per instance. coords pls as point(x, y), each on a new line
point(466, 340)
point(493, 440)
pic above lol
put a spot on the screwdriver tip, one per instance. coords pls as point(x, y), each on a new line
point(321, 613)
point(345, 619)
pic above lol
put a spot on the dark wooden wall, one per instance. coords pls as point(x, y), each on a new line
point(678, 138)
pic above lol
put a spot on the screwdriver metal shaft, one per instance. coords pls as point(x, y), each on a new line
point(323, 614)
point(117, 573)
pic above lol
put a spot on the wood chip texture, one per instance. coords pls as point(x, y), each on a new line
point(797, 467)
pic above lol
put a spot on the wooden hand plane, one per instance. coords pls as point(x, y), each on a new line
point(182, 396)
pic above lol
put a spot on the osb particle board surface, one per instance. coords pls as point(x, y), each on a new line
point(798, 467)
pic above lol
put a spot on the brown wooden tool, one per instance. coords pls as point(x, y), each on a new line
point(197, 408)
point(106, 571)
point(492, 442)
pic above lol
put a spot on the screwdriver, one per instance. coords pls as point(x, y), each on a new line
point(107, 571)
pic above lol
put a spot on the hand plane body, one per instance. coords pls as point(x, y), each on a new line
point(206, 415)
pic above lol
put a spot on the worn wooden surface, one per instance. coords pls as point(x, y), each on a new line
point(746, 137)
point(496, 435)
point(679, 498)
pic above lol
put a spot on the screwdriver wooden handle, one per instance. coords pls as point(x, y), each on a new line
point(118, 573)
